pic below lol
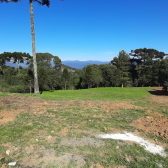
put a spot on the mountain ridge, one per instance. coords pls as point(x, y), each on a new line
point(76, 64)
point(80, 64)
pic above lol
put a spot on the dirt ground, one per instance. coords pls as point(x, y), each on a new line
point(13, 105)
point(155, 124)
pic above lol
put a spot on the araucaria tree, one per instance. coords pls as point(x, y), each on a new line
point(42, 2)
point(122, 62)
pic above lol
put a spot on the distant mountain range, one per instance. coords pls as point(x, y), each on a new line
point(80, 64)
point(73, 64)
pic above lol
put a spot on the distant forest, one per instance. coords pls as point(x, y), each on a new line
point(139, 68)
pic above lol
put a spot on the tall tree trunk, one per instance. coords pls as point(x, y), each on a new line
point(122, 81)
point(36, 86)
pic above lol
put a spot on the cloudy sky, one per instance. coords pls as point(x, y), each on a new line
point(85, 29)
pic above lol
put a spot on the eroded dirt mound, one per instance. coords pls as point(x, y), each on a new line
point(156, 124)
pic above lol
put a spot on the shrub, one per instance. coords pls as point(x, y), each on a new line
point(17, 89)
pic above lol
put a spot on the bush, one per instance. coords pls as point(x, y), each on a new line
point(17, 89)
point(4, 87)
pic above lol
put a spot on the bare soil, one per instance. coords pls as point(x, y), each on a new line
point(156, 124)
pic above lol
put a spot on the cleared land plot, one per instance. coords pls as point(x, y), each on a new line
point(62, 132)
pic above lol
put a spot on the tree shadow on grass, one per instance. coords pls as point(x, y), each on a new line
point(159, 92)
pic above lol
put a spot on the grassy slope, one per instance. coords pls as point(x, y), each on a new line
point(108, 93)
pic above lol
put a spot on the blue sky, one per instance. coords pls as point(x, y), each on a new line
point(85, 29)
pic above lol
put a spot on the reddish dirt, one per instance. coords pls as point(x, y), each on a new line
point(6, 116)
point(156, 124)
point(64, 132)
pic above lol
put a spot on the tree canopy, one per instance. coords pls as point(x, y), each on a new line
point(142, 67)
point(41, 2)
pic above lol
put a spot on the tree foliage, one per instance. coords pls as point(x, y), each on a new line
point(142, 68)
point(122, 62)
point(65, 76)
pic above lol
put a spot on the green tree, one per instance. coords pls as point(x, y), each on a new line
point(74, 79)
point(57, 62)
point(4, 57)
point(44, 60)
point(54, 82)
point(65, 76)
point(96, 75)
point(111, 75)
point(87, 75)
point(163, 71)
point(42, 2)
point(122, 62)
point(147, 65)
point(43, 79)
point(16, 57)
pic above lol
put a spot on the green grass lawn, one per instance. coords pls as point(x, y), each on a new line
point(108, 93)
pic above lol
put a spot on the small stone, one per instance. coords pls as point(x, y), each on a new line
point(8, 152)
point(37, 140)
point(52, 131)
point(12, 164)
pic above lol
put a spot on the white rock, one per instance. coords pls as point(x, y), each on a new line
point(36, 139)
point(8, 152)
point(12, 163)
point(153, 148)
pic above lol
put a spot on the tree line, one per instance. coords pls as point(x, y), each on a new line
point(139, 68)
